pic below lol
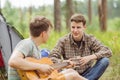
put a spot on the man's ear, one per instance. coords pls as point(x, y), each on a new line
point(84, 27)
point(43, 33)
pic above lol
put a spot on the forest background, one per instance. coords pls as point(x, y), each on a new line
point(103, 21)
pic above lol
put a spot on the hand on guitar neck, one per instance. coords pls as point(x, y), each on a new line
point(74, 61)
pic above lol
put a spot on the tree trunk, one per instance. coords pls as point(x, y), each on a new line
point(21, 20)
point(30, 12)
point(69, 12)
point(89, 11)
point(102, 11)
point(57, 15)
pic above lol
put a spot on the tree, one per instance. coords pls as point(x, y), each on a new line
point(30, 12)
point(102, 11)
point(69, 12)
point(57, 15)
point(89, 11)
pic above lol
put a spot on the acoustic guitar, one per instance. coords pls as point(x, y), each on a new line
point(34, 75)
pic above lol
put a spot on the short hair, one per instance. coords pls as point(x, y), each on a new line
point(39, 24)
point(78, 18)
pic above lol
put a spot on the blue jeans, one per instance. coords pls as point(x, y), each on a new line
point(97, 70)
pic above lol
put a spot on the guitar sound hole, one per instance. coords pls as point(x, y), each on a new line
point(23, 76)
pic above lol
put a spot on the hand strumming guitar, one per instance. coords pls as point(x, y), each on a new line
point(45, 69)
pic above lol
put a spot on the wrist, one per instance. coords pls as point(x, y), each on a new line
point(93, 57)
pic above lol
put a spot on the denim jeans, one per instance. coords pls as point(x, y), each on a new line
point(97, 70)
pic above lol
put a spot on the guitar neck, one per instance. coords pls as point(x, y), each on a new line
point(64, 64)
point(59, 66)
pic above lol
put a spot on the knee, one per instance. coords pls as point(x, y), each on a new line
point(104, 61)
point(71, 74)
point(70, 70)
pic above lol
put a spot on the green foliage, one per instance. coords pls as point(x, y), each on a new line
point(94, 25)
point(113, 8)
point(114, 24)
point(20, 17)
point(80, 6)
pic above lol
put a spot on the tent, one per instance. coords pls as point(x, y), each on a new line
point(9, 37)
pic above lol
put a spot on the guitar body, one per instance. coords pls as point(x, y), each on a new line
point(34, 75)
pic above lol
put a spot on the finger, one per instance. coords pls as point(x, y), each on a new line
point(52, 68)
point(82, 64)
point(48, 72)
point(82, 60)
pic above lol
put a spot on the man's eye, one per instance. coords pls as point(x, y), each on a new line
point(73, 26)
point(78, 27)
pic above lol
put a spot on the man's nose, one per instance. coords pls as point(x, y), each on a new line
point(75, 29)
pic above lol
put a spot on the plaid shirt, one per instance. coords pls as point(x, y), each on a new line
point(66, 48)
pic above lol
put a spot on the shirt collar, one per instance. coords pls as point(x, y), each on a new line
point(72, 41)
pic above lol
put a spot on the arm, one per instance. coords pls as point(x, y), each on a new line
point(99, 49)
point(17, 61)
point(57, 53)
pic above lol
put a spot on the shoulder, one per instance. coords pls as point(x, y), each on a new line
point(24, 43)
point(24, 46)
point(90, 37)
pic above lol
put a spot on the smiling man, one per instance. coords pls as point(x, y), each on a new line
point(83, 49)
